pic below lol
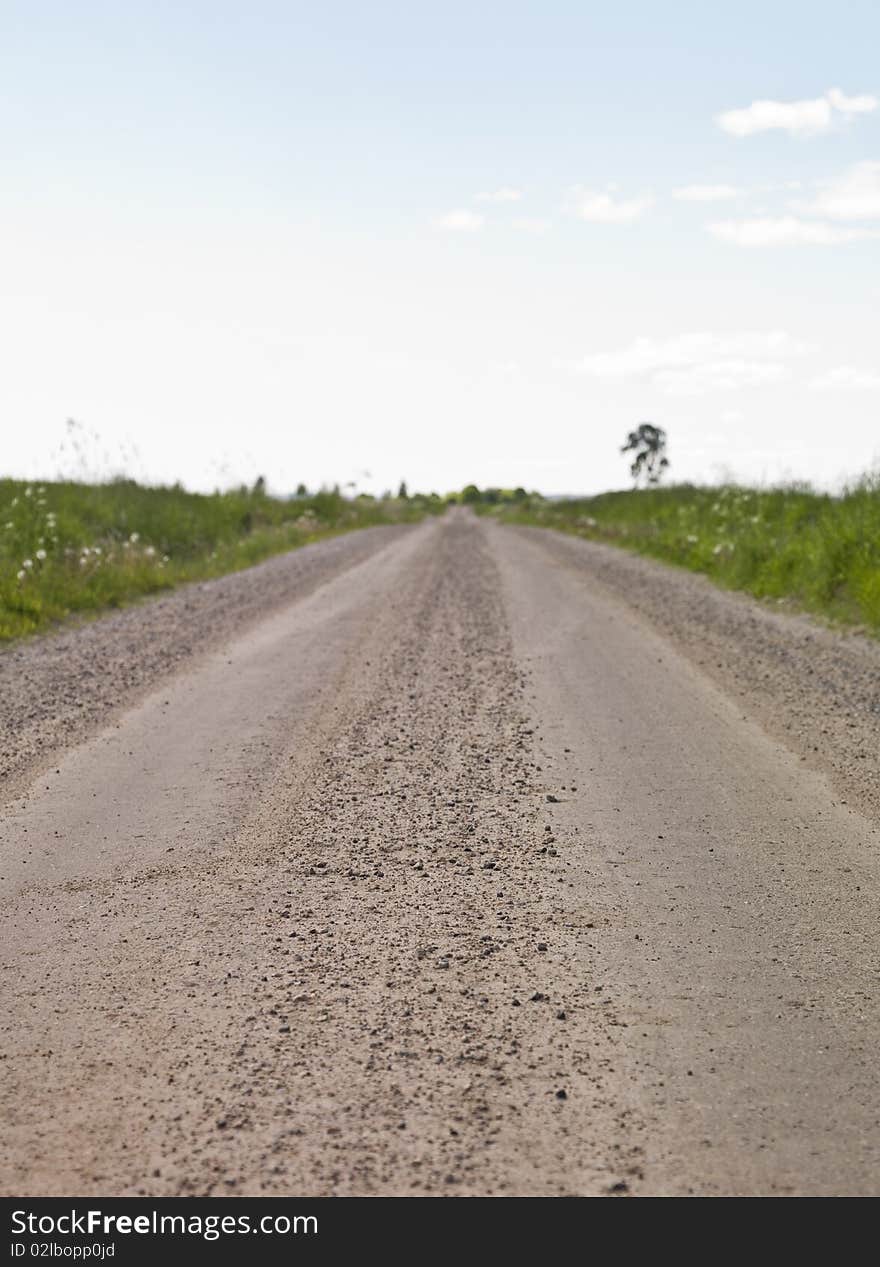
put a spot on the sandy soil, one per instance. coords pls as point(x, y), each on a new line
point(57, 690)
point(466, 860)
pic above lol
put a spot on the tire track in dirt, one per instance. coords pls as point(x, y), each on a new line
point(58, 689)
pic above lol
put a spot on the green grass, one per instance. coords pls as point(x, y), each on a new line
point(70, 548)
point(818, 552)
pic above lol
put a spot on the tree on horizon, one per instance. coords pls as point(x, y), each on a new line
point(648, 446)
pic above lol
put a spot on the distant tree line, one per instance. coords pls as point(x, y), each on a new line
point(647, 444)
point(472, 495)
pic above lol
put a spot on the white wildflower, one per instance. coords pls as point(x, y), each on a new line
point(135, 538)
point(41, 554)
point(149, 552)
point(28, 563)
point(691, 539)
point(21, 575)
point(28, 492)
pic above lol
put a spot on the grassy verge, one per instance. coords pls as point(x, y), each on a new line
point(792, 544)
point(75, 547)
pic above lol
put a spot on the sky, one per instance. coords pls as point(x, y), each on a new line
point(363, 242)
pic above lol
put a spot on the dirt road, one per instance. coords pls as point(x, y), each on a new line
point(450, 859)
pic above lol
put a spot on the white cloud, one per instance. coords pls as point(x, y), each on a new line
point(720, 376)
point(855, 196)
point(460, 222)
point(532, 224)
point(706, 193)
point(847, 378)
point(695, 364)
point(803, 118)
point(798, 118)
point(605, 208)
point(785, 231)
point(645, 355)
point(505, 194)
point(863, 104)
point(504, 369)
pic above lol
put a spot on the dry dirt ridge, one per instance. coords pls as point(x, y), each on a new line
point(454, 858)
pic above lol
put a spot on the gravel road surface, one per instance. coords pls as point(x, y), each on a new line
point(447, 859)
